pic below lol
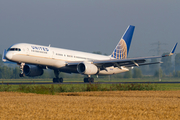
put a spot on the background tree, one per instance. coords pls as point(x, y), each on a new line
point(154, 67)
point(6, 72)
point(137, 73)
point(166, 65)
point(177, 62)
point(1, 62)
point(176, 74)
point(16, 72)
point(145, 69)
point(128, 74)
point(117, 76)
point(158, 72)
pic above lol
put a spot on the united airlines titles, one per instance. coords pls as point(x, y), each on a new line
point(39, 48)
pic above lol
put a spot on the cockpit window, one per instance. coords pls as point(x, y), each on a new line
point(14, 49)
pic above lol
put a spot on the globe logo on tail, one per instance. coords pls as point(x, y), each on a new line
point(120, 51)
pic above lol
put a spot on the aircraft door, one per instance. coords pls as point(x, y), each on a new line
point(27, 51)
point(52, 55)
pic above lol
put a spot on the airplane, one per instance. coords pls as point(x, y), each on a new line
point(33, 59)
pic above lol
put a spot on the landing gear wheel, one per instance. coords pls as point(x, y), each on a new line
point(61, 80)
point(85, 80)
point(92, 80)
point(88, 80)
point(54, 80)
point(57, 80)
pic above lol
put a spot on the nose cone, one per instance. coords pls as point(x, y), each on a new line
point(9, 55)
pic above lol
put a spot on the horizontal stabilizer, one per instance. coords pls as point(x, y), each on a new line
point(3, 57)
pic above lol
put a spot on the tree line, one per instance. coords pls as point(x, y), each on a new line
point(167, 68)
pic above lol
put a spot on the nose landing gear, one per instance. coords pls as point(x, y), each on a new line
point(21, 66)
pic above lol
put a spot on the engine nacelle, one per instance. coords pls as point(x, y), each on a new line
point(32, 70)
point(87, 68)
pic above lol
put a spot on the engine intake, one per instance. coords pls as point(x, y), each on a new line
point(32, 70)
point(87, 68)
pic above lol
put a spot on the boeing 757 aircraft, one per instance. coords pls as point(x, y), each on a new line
point(32, 59)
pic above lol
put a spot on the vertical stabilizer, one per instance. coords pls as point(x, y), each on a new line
point(122, 49)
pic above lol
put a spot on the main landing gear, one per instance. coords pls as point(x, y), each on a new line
point(88, 80)
point(57, 79)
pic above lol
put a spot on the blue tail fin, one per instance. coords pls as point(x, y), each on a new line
point(122, 49)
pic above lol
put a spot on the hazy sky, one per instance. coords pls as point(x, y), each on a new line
point(91, 25)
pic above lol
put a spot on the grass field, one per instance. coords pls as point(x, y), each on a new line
point(109, 105)
point(95, 79)
point(53, 89)
point(90, 101)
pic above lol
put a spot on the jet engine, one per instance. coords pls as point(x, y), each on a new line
point(87, 68)
point(32, 70)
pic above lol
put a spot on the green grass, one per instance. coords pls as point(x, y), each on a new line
point(57, 88)
point(95, 79)
point(24, 80)
point(53, 89)
point(168, 87)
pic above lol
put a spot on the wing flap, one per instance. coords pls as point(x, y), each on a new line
point(143, 64)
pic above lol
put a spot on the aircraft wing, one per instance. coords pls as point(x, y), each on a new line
point(129, 62)
point(126, 62)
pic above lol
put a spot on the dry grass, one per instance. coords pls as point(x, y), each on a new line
point(91, 105)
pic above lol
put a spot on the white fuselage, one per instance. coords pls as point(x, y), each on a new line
point(55, 57)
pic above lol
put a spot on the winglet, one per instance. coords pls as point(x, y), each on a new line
point(172, 51)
